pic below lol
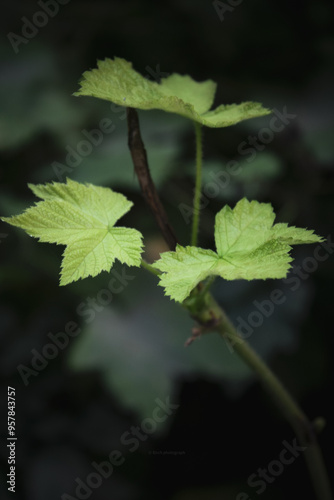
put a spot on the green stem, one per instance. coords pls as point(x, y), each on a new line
point(293, 413)
point(198, 184)
point(207, 285)
point(211, 317)
point(149, 267)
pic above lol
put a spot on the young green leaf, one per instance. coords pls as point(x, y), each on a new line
point(116, 81)
point(82, 217)
point(248, 247)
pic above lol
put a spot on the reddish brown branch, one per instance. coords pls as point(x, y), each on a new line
point(149, 191)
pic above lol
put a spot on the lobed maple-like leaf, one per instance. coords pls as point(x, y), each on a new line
point(115, 80)
point(82, 217)
point(248, 247)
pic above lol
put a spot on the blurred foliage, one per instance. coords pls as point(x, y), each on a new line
point(150, 337)
point(32, 101)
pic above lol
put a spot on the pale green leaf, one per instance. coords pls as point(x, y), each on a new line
point(248, 246)
point(199, 94)
point(230, 114)
point(82, 217)
point(294, 235)
point(270, 260)
point(183, 269)
point(248, 222)
point(116, 81)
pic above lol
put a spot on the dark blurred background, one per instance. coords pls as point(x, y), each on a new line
point(129, 357)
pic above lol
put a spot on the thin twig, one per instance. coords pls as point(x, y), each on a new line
point(303, 428)
point(150, 268)
point(149, 191)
